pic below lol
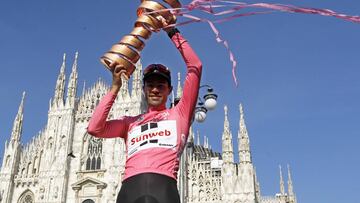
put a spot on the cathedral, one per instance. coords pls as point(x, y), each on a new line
point(63, 163)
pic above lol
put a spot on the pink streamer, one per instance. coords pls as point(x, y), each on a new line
point(219, 40)
point(229, 7)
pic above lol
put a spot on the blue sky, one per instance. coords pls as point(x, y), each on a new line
point(298, 81)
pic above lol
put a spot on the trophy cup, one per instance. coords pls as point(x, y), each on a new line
point(152, 17)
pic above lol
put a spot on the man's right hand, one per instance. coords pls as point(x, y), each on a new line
point(118, 72)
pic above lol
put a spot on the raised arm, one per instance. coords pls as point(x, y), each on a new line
point(188, 100)
point(98, 126)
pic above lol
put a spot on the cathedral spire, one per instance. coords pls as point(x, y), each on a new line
point(83, 90)
point(179, 90)
point(290, 184)
point(71, 91)
point(243, 140)
point(124, 90)
point(282, 187)
point(227, 146)
point(257, 186)
point(205, 142)
point(136, 81)
point(60, 85)
point(191, 136)
point(18, 121)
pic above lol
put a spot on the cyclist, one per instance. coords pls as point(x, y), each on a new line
point(154, 140)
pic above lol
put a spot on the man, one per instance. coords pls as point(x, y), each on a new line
point(154, 140)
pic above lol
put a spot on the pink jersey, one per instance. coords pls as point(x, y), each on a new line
point(154, 140)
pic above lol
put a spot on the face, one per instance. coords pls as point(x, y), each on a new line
point(156, 90)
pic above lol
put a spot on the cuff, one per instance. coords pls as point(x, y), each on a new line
point(172, 32)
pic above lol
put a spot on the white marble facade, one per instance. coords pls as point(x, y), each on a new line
point(62, 163)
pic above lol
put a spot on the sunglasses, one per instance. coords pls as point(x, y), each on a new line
point(157, 67)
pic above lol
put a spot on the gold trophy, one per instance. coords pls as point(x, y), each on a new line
point(152, 17)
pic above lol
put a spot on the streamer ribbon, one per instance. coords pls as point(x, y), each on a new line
point(226, 10)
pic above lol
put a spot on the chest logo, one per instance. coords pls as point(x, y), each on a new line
point(150, 135)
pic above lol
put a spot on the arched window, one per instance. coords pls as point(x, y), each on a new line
point(93, 162)
point(50, 143)
point(34, 170)
point(88, 201)
point(23, 171)
point(88, 162)
point(27, 197)
point(98, 163)
point(29, 168)
point(39, 162)
point(7, 161)
point(94, 153)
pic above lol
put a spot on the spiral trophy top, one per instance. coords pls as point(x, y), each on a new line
point(152, 17)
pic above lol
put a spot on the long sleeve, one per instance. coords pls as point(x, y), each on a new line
point(99, 127)
point(188, 100)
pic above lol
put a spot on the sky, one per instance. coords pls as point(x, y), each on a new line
point(298, 81)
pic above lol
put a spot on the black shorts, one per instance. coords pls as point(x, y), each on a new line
point(149, 188)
